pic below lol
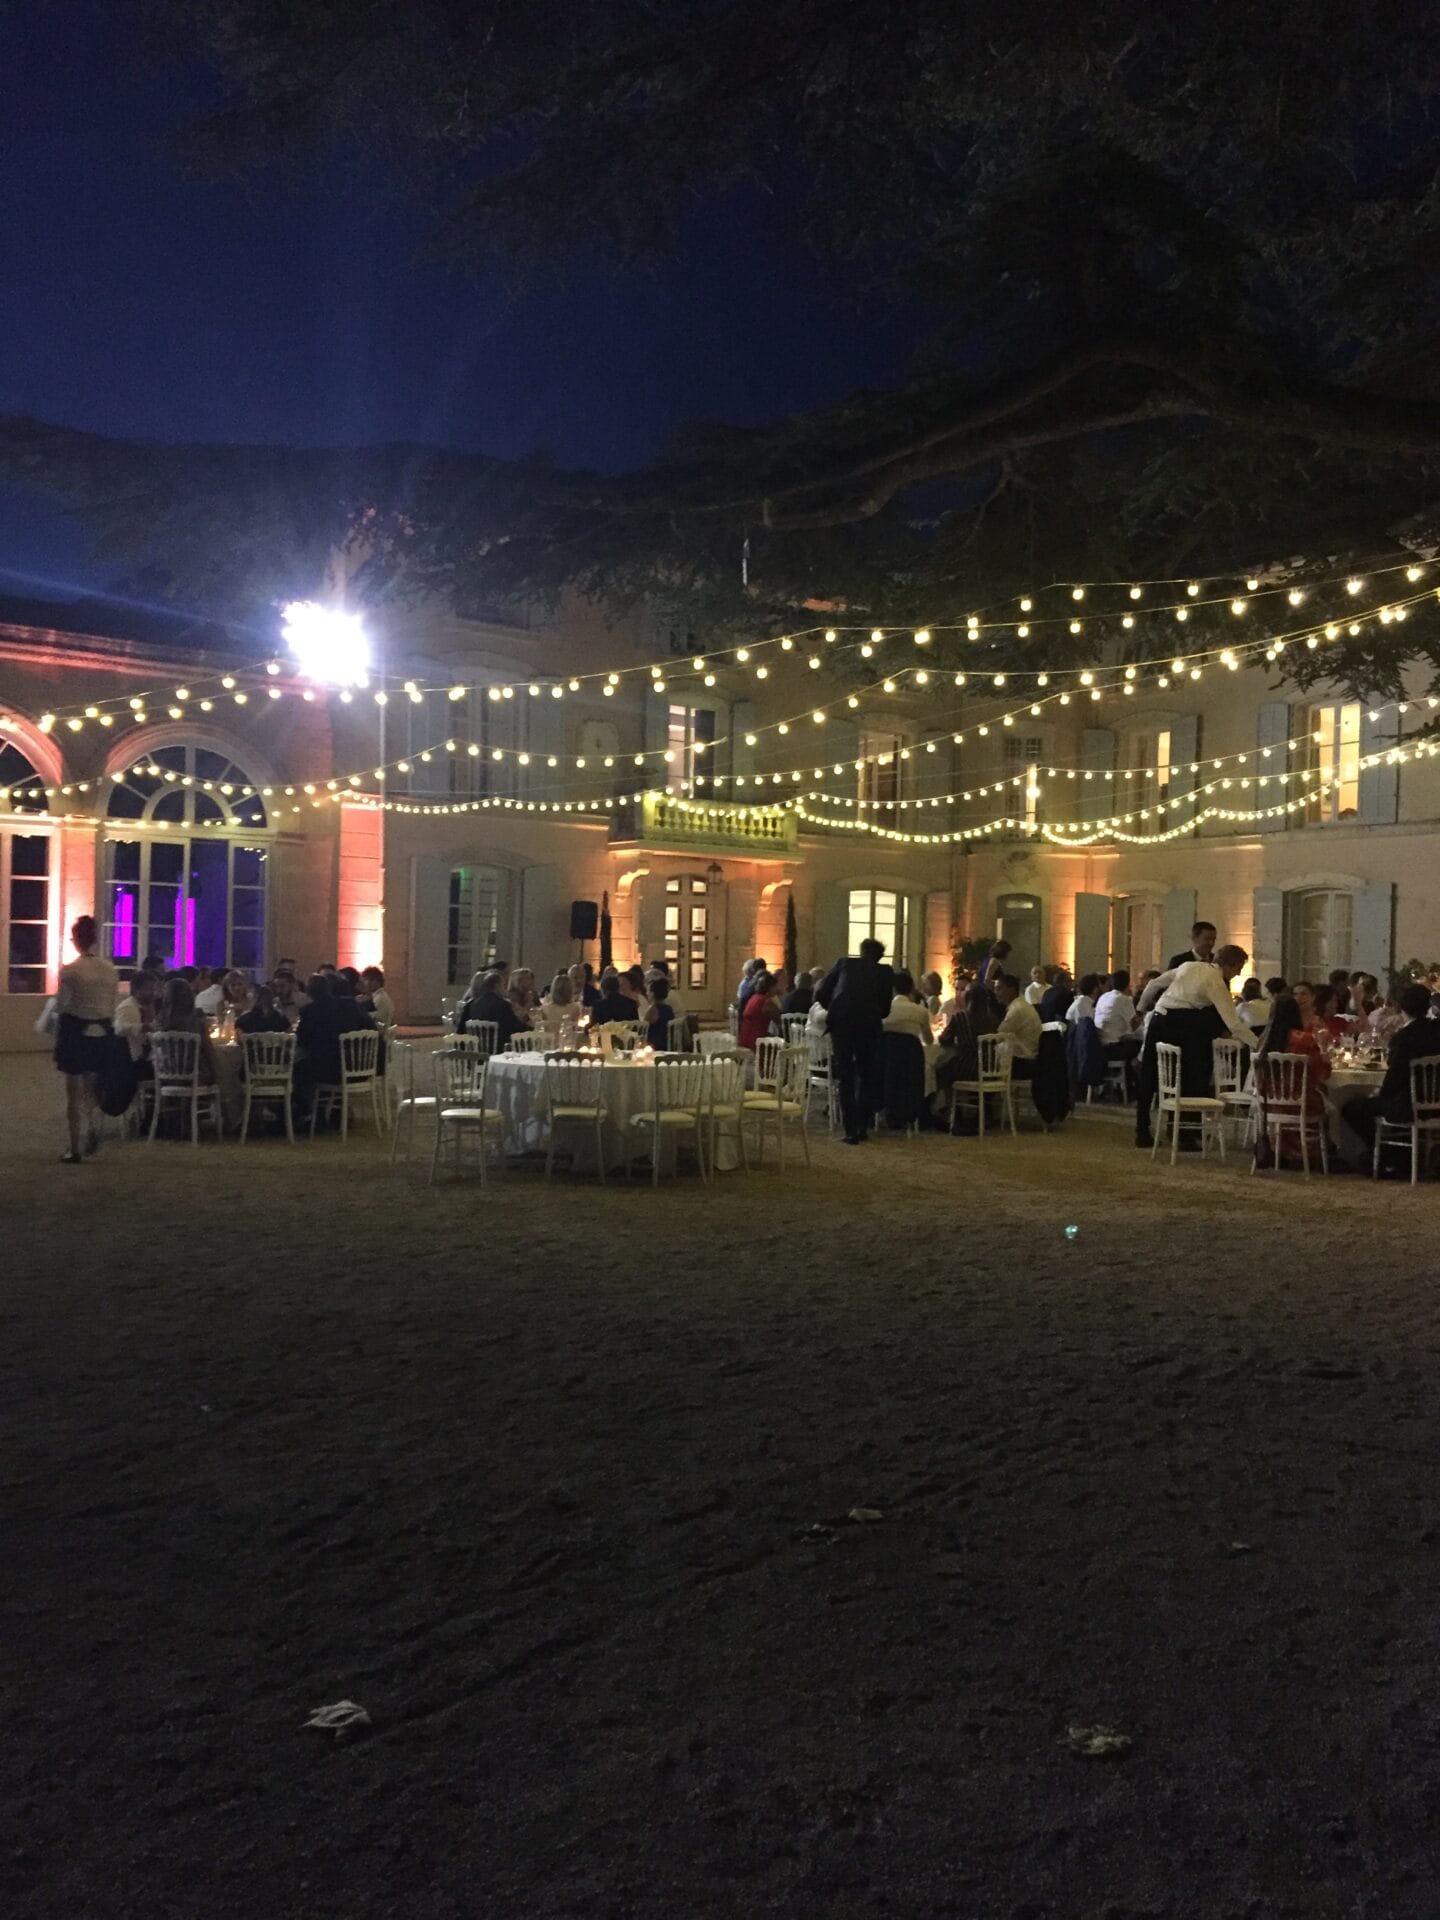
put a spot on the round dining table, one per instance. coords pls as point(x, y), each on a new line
point(515, 1086)
point(1342, 1083)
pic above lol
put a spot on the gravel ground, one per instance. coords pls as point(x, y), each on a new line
point(557, 1483)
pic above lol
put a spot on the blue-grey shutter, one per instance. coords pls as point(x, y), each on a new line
point(544, 720)
point(1272, 729)
point(1379, 784)
point(1267, 933)
point(1177, 916)
point(1097, 758)
point(1372, 931)
point(742, 757)
point(1184, 754)
point(832, 922)
point(1092, 933)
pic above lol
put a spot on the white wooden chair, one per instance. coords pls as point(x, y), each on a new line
point(1233, 1062)
point(792, 1028)
point(993, 1081)
point(269, 1075)
point(1282, 1094)
point(460, 1110)
point(529, 1042)
point(1209, 1111)
point(768, 1053)
point(575, 1100)
point(359, 1080)
point(408, 1100)
point(680, 1096)
point(625, 1035)
point(725, 1108)
point(175, 1058)
point(486, 1034)
point(710, 1043)
point(786, 1103)
point(822, 1078)
point(1423, 1127)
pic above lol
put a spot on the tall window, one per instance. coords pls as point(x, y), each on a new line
point(1022, 759)
point(689, 729)
point(25, 878)
point(194, 900)
point(1142, 936)
point(879, 772)
point(1321, 932)
point(472, 937)
point(877, 915)
point(471, 730)
point(1334, 753)
point(1148, 756)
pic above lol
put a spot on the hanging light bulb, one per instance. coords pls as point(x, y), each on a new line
point(1193, 588)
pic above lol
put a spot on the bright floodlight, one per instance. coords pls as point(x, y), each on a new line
point(328, 645)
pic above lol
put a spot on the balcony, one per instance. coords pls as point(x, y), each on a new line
point(705, 826)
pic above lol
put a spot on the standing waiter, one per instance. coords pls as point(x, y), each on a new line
point(1193, 1009)
point(856, 995)
point(1202, 945)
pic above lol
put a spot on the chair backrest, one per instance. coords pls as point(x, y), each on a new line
point(725, 1074)
point(768, 1054)
point(732, 1020)
point(529, 1042)
point(792, 1026)
point(487, 1035)
point(993, 1059)
point(681, 1084)
point(1167, 1070)
point(820, 1055)
point(269, 1059)
point(460, 1076)
point(1283, 1080)
point(1425, 1088)
point(574, 1083)
point(360, 1054)
point(721, 1043)
point(402, 1066)
point(793, 1080)
point(1232, 1066)
point(175, 1057)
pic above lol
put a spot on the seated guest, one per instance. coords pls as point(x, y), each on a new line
point(960, 1053)
point(906, 1030)
point(1275, 986)
point(1418, 1039)
point(558, 1009)
point(209, 997)
point(1020, 1024)
point(178, 1013)
point(1039, 981)
point(582, 985)
point(1339, 984)
point(801, 996)
point(523, 994)
point(1254, 1008)
point(486, 1000)
point(612, 1004)
point(660, 970)
point(373, 995)
point(288, 996)
point(136, 1013)
point(761, 1012)
point(632, 985)
point(1364, 994)
point(262, 1015)
point(932, 992)
point(317, 1036)
point(659, 1016)
point(908, 1013)
point(1322, 1002)
point(1385, 1021)
point(747, 980)
point(1055, 1002)
point(1115, 1023)
point(1082, 1007)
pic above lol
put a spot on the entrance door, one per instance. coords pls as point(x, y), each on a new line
point(1018, 915)
point(690, 940)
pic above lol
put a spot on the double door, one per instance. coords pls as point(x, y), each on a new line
point(690, 939)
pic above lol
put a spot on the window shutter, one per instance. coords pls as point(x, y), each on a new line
point(1380, 784)
point(1184, 753)
point(544, 736)
point(832, 922)
point(429, 730)
point(1092, 933)
point(421, 992)
point(742, 758)
point(1176, 919)
point(542, 938)
point(1097, 757)
point(657, 738)
point(1272, 729)
point(842, 744)
point(1372, 931)
point(1267, 933)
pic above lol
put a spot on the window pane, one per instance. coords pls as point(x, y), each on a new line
point(29, 853)
point(29, 899)
point(167, 861)
point(208, 812)
point(27, 944)
point(248, 907)
point(123, 857)
point(27, 979)
point(171, 806)
point(246, 944)
point(249, 867)
point(125, 803)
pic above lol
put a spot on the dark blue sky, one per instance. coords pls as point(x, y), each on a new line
point(135, 302)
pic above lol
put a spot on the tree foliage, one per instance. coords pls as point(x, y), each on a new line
point(1182, 265)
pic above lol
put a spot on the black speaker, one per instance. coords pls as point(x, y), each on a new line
point(584, 920)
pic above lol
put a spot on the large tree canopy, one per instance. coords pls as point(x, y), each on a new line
point(1182, 265)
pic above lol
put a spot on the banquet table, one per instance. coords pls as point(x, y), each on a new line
point(229, 1059)
point(515, 1085)
point(1343, 1082)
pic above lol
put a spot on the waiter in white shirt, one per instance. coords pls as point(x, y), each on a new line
point(1193, 1009)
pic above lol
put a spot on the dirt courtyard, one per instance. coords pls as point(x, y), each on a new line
point(555, 1483)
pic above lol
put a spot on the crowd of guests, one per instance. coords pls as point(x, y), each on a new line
point(509, 999)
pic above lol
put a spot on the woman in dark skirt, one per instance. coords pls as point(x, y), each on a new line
point(85, 1014)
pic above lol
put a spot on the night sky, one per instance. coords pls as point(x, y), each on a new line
point(138, 303)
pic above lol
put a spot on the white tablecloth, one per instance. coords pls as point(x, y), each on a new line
point(1343, 1082)
point(515, 1087)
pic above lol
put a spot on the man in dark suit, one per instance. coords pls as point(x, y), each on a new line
point(1202, 944)
point(856, 995)
point(1418, 1039)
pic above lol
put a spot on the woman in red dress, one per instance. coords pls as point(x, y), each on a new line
point(1296, 1026)
point(761, 1012)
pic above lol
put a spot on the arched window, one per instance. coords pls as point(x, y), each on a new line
point(194, 898)
point(189, 786)
point(22, 787)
